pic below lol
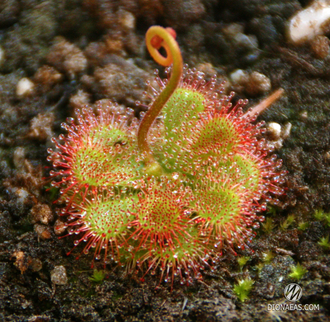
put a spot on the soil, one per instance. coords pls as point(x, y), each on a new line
point(78, 52)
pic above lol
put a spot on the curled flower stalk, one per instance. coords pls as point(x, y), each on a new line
point(164, 194)
point(157, 37)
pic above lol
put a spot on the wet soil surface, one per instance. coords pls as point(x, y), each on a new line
point(57, 56)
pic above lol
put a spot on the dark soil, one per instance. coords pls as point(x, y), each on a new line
point(77, 52)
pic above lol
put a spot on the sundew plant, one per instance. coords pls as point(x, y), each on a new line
point(162, 194)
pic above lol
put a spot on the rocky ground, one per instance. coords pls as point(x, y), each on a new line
point(57, 56)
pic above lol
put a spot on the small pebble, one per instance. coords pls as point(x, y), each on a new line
point(67, 57)
point(120, 82)
point(206, 68)
point(19, 158)
point(24, 87)
point(253, 84)
point(115, 44)
point(320, 46)
point(47, 75)
point(22, 261)
point(41, 213)
point(25, 304)
point(258, 84)
point(310, 22)
point(58, 275)
point(22, 194)
point(275, 145)
point(41, 126)
point(36, 265)
point(327, 155)
point(2, 55)
point(59, 227)
point(286, 130)
point(42, 231)
point(239, 77)
point(126, 19)
point(249, 42)
point(232, 30)
point(80, 99)
point(278, 134)
point(274, 130)
point(303, 115)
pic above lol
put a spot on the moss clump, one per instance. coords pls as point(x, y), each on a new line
point(297, 272)
point(97, 277)
point(243, 289)
point(324, 242)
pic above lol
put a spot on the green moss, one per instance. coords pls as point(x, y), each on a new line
point(243, 260)
point(268, 225)
point(268, 257)
point(322, 216)
point(287, 222)
point(319, 214)
point(271, 210)
point(52, 192)
point(324, 242)
point(97, 277)
point(260, 266)
point(303, 226)
point(297, 272)
point(243, 289)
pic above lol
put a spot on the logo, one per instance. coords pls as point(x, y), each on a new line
point(293, 292)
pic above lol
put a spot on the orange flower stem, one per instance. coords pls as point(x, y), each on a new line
point(157, 37)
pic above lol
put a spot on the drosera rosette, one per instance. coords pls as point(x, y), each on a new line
point(162, 195)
